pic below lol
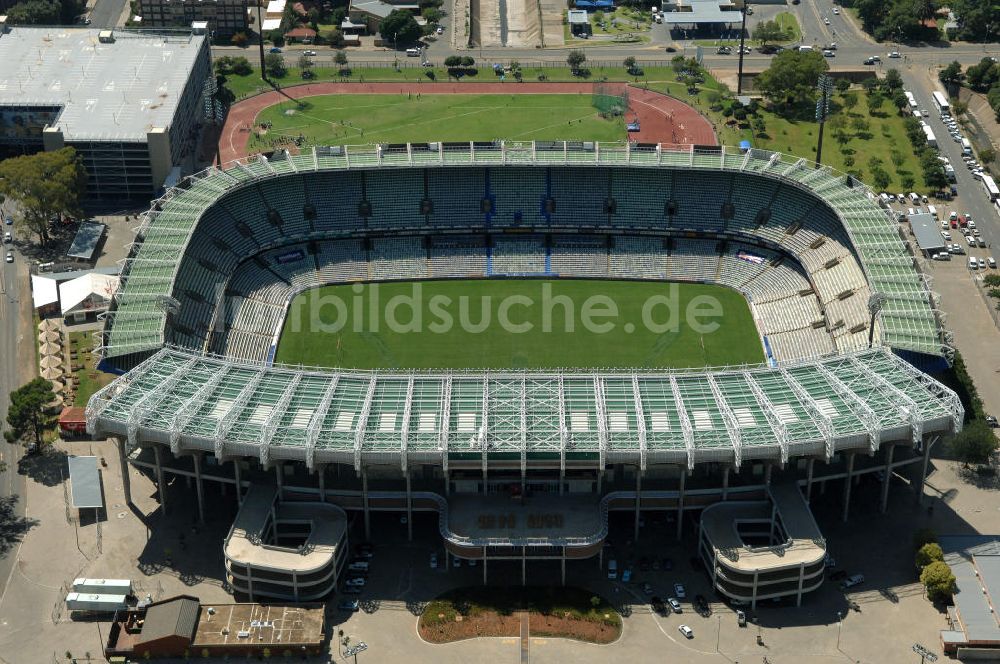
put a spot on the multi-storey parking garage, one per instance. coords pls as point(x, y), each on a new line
point(217, 260)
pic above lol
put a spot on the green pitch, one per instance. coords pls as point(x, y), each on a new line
point(499, 324)
point(356, 119)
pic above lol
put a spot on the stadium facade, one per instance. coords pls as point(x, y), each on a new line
point(131, 102)
point(217, 260)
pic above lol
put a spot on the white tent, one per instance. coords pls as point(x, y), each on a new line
point(89, 293)
point(44, 290)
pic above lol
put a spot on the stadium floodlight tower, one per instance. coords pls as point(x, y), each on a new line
point(875, 303)
point(743, 36)
point(825, 87)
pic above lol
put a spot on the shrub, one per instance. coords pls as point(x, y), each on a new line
point(927, 554)
point(938, 580)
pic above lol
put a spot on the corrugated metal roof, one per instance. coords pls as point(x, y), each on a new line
point(85, 481)
point(175, 617)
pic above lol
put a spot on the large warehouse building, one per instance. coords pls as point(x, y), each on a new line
point(525, 464)
point(131, 103)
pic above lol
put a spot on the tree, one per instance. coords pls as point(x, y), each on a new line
point(239, 39)
point(629, 64)
point(791, 79)
point(26, 415)
point(983, 76)
point(899, 99)
point(934, 177)
point(242, 66)
point(975, 444)
point(978, 21)
point(400, 28)
point(952, 76)
point(842, 85)
point(575, 60)
point(987, 155)
point(923, 536)
point(881, 179)
point(927, 554)
point(893, 80)
point(45, 184)
point(938, 580)
point(768, 31)
point(34, 12)
point(849, 100)
point(334, 38)
point(274, 65)
point(432, 14)
point(340, 59)
point(875, 101)
point(305, 66)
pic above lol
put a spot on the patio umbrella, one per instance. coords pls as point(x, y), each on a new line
point(50, 361)
point(49, 335)
point(58, 386)
point(47, 325)
point(50, 373)
point(50, 348)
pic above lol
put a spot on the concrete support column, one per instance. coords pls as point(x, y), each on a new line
point(409, 509)
point(809, 477)
point(199, 487)
point(161, 486)
point(486, 490)
point(767, 473)
point(725, 483)
point(279, 480)
point(321, 469)
point(123, 463)
point(802, 575)
point(847, 486)
point(484, 565)
point(923, 469)
point(364, 501)
point(680, 503)
point(562, 480)
point(638, 502)
point(239, 481)
point(600, 479)
point(524, 566)
point(563, 561)
point(447, 483)
point(885, 480)
point(753, 598)
point(600, 558)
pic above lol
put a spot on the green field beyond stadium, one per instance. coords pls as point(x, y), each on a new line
point(354, 119)
point(524, 324)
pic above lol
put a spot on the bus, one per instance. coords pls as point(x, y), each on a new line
point(990, 185)
point(941, 101)
point(910, 99)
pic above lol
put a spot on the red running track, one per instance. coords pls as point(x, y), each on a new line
point(662, 119)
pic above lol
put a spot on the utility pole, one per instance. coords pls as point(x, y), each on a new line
point(743, 36)
point(825, 87)
point(260, 41)
point(875, 303)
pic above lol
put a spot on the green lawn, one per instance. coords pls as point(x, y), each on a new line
point(477, 324)
point(354, 119)
point(786, 20)
point(91, 380)
point(850, 150)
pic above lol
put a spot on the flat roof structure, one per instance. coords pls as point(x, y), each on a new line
point(286, 626)
point(703, 12)
point(106, 90)
point(85, 242)
point(927, 231)
point(975, 562)
point(85, 481)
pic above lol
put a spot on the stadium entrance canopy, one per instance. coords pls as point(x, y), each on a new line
point(703, 14)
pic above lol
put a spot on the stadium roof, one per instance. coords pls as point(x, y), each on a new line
point(196, 402)
point(107, 91)
point(907, 321)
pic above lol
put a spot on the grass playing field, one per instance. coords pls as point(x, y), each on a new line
point(500, 324)
point(354, 119)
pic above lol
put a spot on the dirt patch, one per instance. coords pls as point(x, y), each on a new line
point(592, 631)
point(459, 628)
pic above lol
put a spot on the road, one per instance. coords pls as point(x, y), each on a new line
point(106, 13)
point(13, 348)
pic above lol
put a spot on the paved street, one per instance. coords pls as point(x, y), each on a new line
point(106, 13)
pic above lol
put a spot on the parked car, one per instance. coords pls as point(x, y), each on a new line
point(275, 49)
point(741, 618)
point(686, 631)
point(982, 263)
point(349, 605)
point(679, 590)
point(627, 575)
point(992, 421)
point(355, 581)
point(853, 580)
point(309, 53)
point(7, 237)
point(434, 560)
point(675, 606)
point(894, 55)
point(10, 257)
point(667, 564)
point(991, 262)
point(724, 50)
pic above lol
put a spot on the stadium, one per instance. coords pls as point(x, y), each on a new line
point(522, 457)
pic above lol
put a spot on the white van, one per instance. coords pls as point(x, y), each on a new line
point(413, 52)
point(612, 569)
point(805, 49)
point(914, 198)
point(966, 146)
point(932, 210)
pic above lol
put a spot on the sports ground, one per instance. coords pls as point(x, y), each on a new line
point(354, 119)
point(505, 324)
point(411, 112)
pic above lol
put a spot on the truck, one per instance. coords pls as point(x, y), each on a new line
point(931, 138)
point(102, 586)
point(95, 602)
